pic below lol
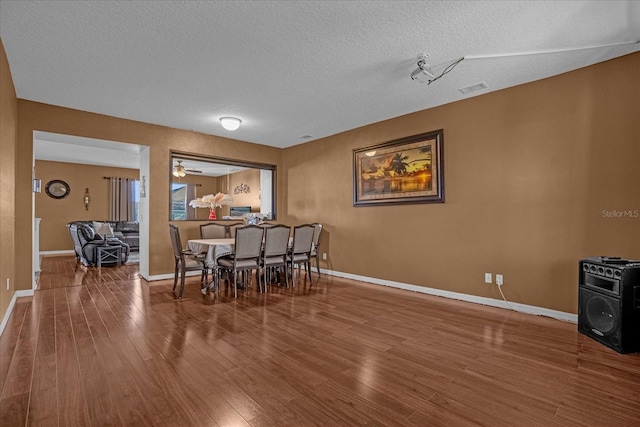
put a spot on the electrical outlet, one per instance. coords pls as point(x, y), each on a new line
point(324, 256)
point(499, 279)
point(487, 278)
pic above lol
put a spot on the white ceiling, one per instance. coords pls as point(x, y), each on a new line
point(73, 149)
point(290, 69)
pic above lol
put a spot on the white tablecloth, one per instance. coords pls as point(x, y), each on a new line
point(214, 248)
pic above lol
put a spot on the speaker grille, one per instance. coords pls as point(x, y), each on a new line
point(601, 313)
point(599, 318)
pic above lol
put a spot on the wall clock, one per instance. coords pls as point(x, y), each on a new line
point(57, 189)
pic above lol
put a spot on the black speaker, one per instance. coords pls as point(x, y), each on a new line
point(609, 302)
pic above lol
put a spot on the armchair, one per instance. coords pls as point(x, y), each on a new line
point(86, 241)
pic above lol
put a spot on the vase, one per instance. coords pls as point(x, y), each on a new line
point(212, 214)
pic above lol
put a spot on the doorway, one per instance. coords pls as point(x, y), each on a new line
point(74, 153)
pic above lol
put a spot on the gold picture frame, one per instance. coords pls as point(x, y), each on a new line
point(402, 171)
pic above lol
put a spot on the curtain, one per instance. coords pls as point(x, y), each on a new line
point(122, 199)
point(191, 194)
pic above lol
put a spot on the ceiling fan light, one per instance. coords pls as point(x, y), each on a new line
point(230, 123)
point(179, 170)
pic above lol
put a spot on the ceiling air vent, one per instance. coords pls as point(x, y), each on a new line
point(473, 88)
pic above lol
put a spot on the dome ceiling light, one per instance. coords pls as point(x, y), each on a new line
point(230, 123)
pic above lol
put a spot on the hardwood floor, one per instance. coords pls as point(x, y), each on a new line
point(101, 347)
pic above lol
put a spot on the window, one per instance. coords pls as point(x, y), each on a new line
point(248, 184)
point(181, 194)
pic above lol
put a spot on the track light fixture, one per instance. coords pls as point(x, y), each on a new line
point(423, 69)
point(424, 74)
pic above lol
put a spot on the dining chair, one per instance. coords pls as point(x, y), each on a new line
point(185, 261)
point(274, 253)
point(213, 230)
point(246, 255)
point(301, 250)
point(231, 229)
point(317, 232)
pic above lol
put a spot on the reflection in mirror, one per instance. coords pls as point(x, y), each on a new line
point(250, 188)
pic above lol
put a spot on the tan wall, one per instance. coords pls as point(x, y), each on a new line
point(8, 126)
point(56, 213)
point(36, 116)
point(251, 177)
point(528, 172)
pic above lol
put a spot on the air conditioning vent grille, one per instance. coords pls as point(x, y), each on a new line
point(473, 88)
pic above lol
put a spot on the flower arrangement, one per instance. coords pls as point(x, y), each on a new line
point(211, 202)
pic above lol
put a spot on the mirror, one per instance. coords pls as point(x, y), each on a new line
point(249, 188)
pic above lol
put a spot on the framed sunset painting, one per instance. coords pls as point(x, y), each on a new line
point(406, 170)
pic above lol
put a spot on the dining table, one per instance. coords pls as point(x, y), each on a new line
point(214, 249)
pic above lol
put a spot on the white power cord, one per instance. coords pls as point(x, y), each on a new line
point(505, 300)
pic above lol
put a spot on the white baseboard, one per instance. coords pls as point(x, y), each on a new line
point(54, 253)
point(16, 295)
point(168, 276)
point(522, 308)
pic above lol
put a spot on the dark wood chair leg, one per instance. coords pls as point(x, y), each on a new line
point(182, 278)
point(286, 276)
point(175, 278)
point(235, 284)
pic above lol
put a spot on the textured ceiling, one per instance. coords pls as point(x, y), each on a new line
point(292, 69)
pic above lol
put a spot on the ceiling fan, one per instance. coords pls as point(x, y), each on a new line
point(179, 170)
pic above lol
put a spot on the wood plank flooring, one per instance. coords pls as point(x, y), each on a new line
point(100, 347)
